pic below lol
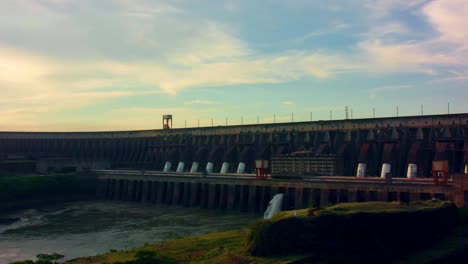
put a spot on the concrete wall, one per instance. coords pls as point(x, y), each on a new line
point(398, 141)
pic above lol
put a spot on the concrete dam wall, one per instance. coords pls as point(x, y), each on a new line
point(398, 141)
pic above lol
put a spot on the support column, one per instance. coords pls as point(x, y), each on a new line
point(116, 189)
point(130, 190)
point(298, 202)
point(243, 197)
point(324, 195)
point(161, 192)
point(222, 197)
point(414, 196)
point(186, 199)
point(170, 192)
point(265, 198)
point(138, 191)
point(124, 192)
point(231, 197)
point(252, 195)
point(352, 196)
point(101, 189)
point(203, 195)
point(194, 194)
point(144, 193)
point(109, 189)
point(154, 190)
point(382, 196)
point(176, 192)
point(212, 196)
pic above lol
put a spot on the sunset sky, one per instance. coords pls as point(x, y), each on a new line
point(80, 65)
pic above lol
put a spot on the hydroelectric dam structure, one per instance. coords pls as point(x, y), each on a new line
point(212, 166)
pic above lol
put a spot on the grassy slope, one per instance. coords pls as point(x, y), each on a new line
point(223, 247)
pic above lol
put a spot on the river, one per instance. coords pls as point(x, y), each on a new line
point(92, 227)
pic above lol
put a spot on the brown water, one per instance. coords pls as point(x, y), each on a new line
point(92, 227)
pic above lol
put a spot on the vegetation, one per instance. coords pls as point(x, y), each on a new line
point(360, 232)
point(18, 191)
point(17, 166)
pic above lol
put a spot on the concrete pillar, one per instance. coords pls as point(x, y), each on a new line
point(324, 194)
point(298, 204)
point(180, 167)
point(108, 189)
point(101, 189)
point(231, 197)
point(274, 191)
point(241, 168)
point(412, 171)
point(161, 192)
point(264, 198)
point(209, 167)
point(124, 191)
point(222, 197)
point(138, 191)
point(194, 168)
point(382, 196)
point(288, 197)
point(194, 194)
point(204, 195)
point(176, 194)
point(414, 196)
point(186, 194)
point(144, 192)
point(167, 166)
point(225, 168)
point(169, 193)
point(116, 190)
point(361, 170)
point(130, 190)
point(386, 169)
point(243, 197)
point(211, 196)
point(154, 190)
point(352, 196)
point(252, 198)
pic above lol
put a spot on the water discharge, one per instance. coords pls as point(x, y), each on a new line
point(93, 227)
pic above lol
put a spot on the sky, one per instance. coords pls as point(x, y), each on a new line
point(86, 65)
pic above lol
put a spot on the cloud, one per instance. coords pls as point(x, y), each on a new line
point(450, 19)
point(287, 103)
point(374, 92)
point(202, 102)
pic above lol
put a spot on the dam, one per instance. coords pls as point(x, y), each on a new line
point(130, 164)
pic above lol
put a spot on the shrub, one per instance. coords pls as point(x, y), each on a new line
point(353, 235)
point(146, 256)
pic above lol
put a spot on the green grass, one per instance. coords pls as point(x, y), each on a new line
point(223, 247)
